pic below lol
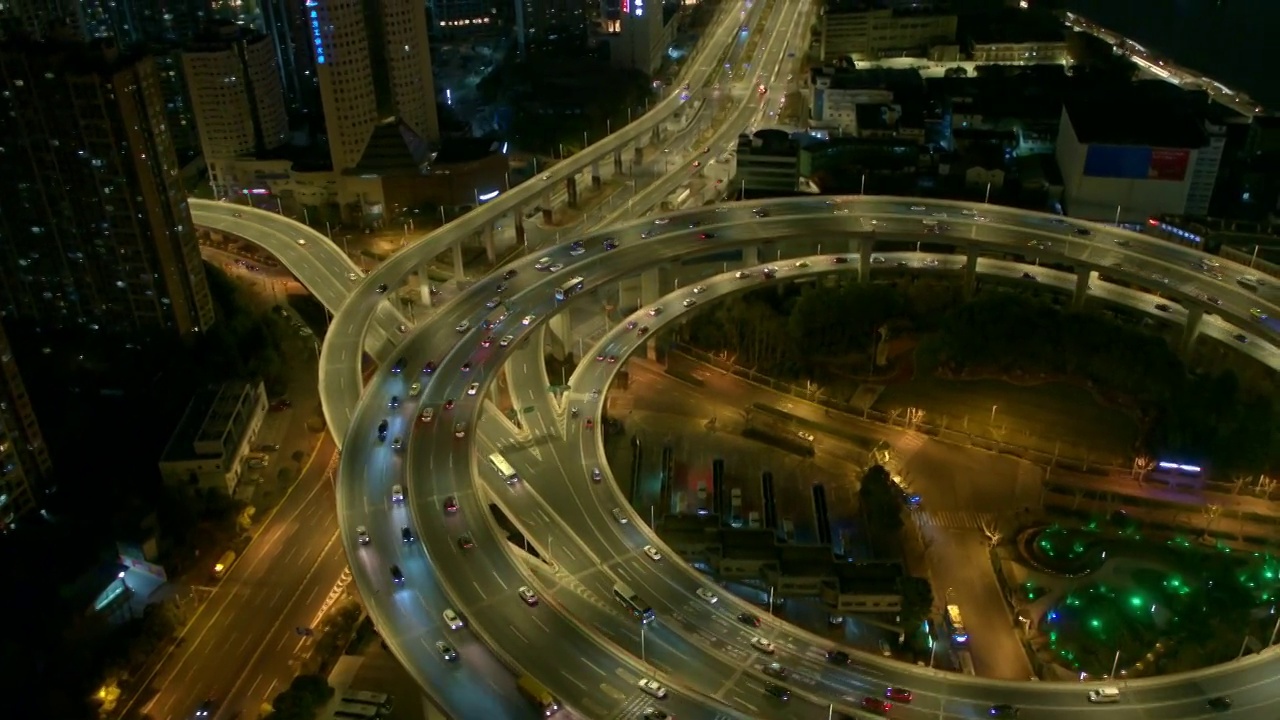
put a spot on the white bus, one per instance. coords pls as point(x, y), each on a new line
point(363, 697)
point(503, 468)
point(571, 288)
point(955, 625)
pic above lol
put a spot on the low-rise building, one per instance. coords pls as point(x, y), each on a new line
point(864, 587)
point(1012, 36)
point(767, 163)
point(206, 452)
point(873, 34)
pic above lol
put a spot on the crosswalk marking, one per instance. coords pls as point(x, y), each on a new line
point(953, 519)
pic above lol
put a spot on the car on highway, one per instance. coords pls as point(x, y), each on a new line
point(487, 341)
point(706, 236)
point(1220, 703)
point(399, 365)
point(207, 707)
point(760, 213)
point(610, 244)
point(652, 687)
point(506, 340)
point(459, 429)
point(770, 273)
point(397, 493)
point(918, 208)
point(747, 618)
point(1240, 338)
point(448, 404)
point(655, 311)
point(803, 435)
point(877, 260)
point(840, 260)
point(510, 273)
point(778, 691)
point(1029, 276)
point(1104, 695)
point(802, 263)
point(1002, 711)
point(543, 263)
point(742, 274)
point(427, 415)
point(353, 276)
point(1257, 314)
point(577, 248)
point(500, 288)
point(429, 368)
point(396, 575)
point(397, 443)
point(707, 595)
point(1083, 232)
point(776, 670)
point(690, 302)
point(406, 534)
point(362, 535)
point(620, 516)
point(596, 475)
point(493, 302)
point(699, 289)
point(557, 267)
point(463, 326)
point(655, 714)
point(876, 705)
point(473, 388)
point(763, 645)
point(382, 431)
point(528, 319)
point(837, 657)
point(466, 366)
point(451, 504)
point(466, 542)
point(415, 389)
point(642, 331)
point(898, 694)
point(451, 619)
point(394, 402)
point(447, 652)
point(527, 595)
point(652, 552)
point(590, 423)
point(382, 288)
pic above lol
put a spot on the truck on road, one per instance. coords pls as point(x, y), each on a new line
point(537, 693)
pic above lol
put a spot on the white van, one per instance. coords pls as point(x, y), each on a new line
point(1104, 695)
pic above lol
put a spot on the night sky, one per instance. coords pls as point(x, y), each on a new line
point(1231, 41)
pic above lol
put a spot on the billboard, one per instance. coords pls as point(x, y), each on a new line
point(1130, 162)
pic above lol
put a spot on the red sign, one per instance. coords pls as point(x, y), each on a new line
point(1169, 164)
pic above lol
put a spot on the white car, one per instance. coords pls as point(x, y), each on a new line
point(353, 276)
point(806, 436)
point(652, 552)
point(527, 595)
point(577, 249)
point(415, 389)
point(543, 263)
point(460, 430)
point(473, 388)
point(651, 687)
point(699, 289)
point(802, 263)
point(762, 645)
point(661, 221)
point(690, 302)
point(506, 340)
point(451, 619)
point(302, 241)
point(527, 319)
point(397, 493)
point(655, 311)
point(742, 274)
point(620, 516)
point(556, 267)
point(707, 595)
point(463, 326)
point(362, 534)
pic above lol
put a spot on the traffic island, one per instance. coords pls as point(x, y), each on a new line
point(1062, 551)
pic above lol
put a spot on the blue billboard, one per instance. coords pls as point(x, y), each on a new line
point(1123, 162)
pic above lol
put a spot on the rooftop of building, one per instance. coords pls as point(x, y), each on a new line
point(66, 53)
point(877, 78)
point(302, 158)
point(1135, 118)
point(868, 576)
point(1030, 92)
point(206, 418)
point(1010, 25)
point(219, 35)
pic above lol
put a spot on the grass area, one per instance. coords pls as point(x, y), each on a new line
point(1040, 416)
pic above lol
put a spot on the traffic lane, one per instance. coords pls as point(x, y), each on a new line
point(224, 625)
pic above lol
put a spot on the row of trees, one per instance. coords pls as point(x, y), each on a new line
point(825, 333)
point(881, 507)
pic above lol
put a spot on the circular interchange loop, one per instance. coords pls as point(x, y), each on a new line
point(481, 580)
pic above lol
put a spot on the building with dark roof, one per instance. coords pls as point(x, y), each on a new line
point(208, 448)
point(1138, 155)
point(1010, 35)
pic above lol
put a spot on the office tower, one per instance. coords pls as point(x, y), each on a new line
point(234, 81)
point(547, 23)
point(95, 231)
point(461, 16)
point(285, 21)
point(24, 458)
point(371, 65)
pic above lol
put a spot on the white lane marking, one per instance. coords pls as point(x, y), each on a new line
point(495, 575)
point(571, 679)
point(486, 597)
point(517, 633)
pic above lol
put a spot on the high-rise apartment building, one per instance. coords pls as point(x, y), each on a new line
point(373, 62)
point(24, 458)
point(286, 22)
point(95, 231)
point(233, 77)
point(548, 23)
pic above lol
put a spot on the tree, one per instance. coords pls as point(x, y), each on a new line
point(300, 701)
point(917, 602)
point(880, 505)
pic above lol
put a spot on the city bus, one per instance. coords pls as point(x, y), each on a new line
point(383, 701)
point(955, 625)
point(632, 602)
point(503, 468)
point(570, 288)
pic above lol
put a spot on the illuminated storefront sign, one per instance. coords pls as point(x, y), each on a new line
point(314, 17)
point(637, 7)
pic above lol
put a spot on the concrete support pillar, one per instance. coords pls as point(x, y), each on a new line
point(595, 174)
point(970, 273)
point(561, 335)
point(617, 162)
point(459, 270)
point(490, 247)
point(1083, 279)
point(518, 214)
point(424, 285)
point(657, 132)
point(547, 207)
point(650, 286)
point(571, 191)
point(751, 255)
point(639, 154)
point(864, 260)
point(1191, 329)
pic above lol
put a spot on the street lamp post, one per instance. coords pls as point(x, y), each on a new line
point(642, 653)
point(993, 414)
point(1114, 664)
point(770, 601)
